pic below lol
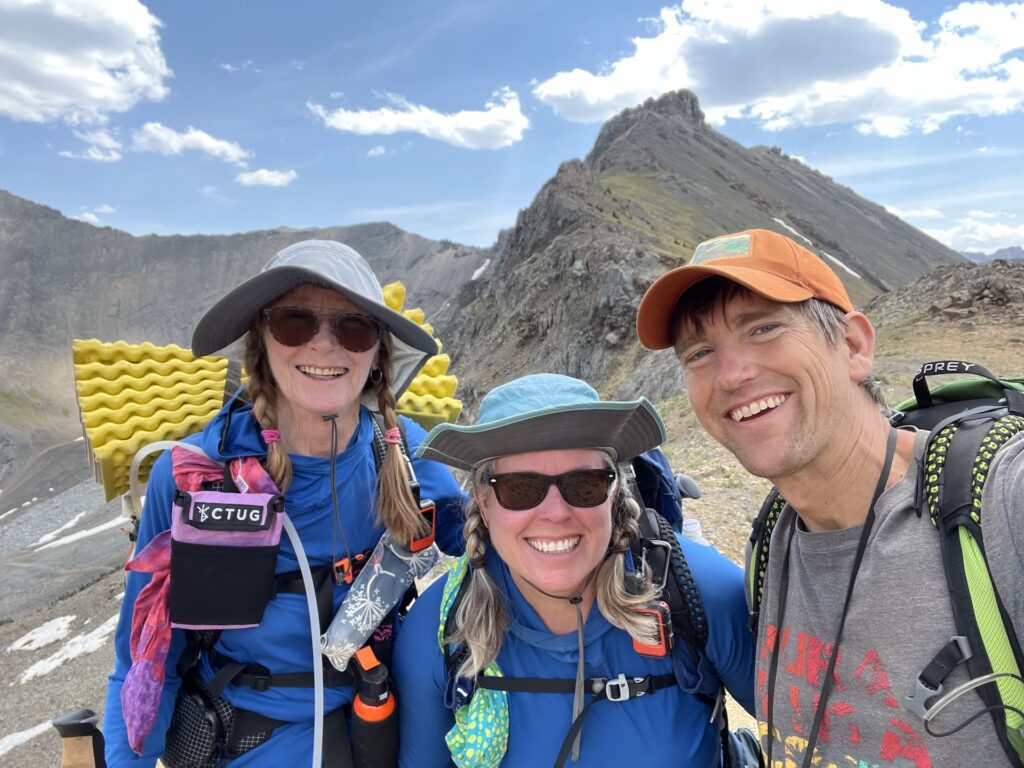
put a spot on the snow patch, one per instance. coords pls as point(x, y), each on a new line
point(46, 538)
point(77, 646)
point(480, 270)
point(43, 635)
point(8, 512)
point(781, 223)
point(117, 522)
point(7, 743)
point(832, 258)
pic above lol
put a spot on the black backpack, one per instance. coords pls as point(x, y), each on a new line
point(969, 420)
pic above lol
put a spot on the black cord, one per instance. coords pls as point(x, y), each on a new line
point(971, 719)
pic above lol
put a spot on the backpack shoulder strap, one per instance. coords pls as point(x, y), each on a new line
point(760, 541)
point(955, 469)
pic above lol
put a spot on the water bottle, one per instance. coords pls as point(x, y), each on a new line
point(374, 714)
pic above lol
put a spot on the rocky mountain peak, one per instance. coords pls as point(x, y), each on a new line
point(675, 109)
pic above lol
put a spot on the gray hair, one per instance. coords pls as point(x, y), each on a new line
point(709, 295)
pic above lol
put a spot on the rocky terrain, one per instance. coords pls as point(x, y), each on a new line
point(559, 292)
point(564, 287)
point(65, 279)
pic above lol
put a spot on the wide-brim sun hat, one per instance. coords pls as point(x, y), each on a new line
point(765, 262)
point(326, 264)
point(546, 412)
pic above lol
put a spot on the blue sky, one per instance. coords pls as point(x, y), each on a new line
point(445, 118)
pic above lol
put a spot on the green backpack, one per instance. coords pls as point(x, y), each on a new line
point(969, 420)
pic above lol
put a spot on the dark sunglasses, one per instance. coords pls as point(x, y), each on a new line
point(294, 326)
point(525, 490)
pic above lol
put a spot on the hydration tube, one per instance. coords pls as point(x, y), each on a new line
point(307, 582)
point(133, 470)
point(314, 629)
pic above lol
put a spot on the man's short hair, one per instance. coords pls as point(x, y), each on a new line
point(711, 294)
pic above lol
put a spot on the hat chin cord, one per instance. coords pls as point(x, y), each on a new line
point(577, 696)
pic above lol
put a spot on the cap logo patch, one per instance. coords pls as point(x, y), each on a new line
point(737, 245)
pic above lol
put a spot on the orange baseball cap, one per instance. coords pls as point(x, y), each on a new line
point(766, 262)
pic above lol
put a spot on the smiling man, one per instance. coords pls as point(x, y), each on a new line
point(777, 365)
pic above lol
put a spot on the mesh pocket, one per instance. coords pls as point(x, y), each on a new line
point(199, 728)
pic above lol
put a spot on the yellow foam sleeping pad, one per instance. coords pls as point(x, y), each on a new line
point(131, 395)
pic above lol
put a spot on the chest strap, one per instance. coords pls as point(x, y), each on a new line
point(258, 678)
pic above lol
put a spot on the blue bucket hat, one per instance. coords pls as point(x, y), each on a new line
point(545, 412)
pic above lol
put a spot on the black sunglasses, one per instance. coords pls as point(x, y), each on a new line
point(525, 490)
point(294, 326)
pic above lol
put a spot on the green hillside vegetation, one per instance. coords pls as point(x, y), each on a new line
point(672, 223)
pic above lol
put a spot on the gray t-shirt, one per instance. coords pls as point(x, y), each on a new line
point(900, 615)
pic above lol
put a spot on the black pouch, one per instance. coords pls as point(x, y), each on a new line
point(200, 726)
point(223, 554)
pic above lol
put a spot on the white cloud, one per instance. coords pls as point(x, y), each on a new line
point(500, 124)
point(103, 147)
point(377, 151)
point(266, 178)
point(105, 209)
point(245, 65)
point(78, 60)
point(984, 214)
point(873, 65)
point(89, 218)
point(974, 234)
point(156, 137)
point(915, 213)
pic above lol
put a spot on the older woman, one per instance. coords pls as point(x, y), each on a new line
point(528, 651)
point(322, 352)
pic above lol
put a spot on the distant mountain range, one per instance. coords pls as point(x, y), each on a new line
point(1013, 253)
point(556, 292)
point(65, 279)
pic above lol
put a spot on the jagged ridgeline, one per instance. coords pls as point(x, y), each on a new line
point(563, 288)
point(132, 395)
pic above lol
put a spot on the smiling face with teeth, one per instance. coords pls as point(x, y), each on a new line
point(767, 385)
point(319, 377)
point(553, 546)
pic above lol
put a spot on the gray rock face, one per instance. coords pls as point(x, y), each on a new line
point(65, 279)
point(563, 291)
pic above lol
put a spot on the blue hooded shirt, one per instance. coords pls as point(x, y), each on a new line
point(669, 727)
point(281, 642)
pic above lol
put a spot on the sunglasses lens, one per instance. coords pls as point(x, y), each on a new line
point(355, 333)
point(292, 326)
point(585, 487)
point(525, 490)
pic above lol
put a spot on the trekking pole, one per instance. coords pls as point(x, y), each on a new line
point(81, 740)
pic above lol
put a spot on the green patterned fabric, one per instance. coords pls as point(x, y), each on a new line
point(479, 737)
point(979, 581)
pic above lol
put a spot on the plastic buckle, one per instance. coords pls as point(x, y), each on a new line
point(647, 544)
point(260, 683)
point(429, 511)
point(917, 702)
point(343, 571)
point(617, 689)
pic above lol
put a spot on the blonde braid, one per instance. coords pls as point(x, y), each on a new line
point(396, 506)
point(481, 618)
point(262, 392)
point(615, 602)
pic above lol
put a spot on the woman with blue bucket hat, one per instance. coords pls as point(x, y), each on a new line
point(538, 647)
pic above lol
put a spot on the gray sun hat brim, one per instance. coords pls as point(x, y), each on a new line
point(627, 429)
point(231, 317)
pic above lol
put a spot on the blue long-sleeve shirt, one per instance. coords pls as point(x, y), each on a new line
point(667, 728)
point(282, 641)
